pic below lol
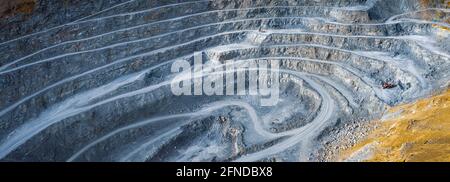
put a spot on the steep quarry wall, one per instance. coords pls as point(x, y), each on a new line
point(90, 80)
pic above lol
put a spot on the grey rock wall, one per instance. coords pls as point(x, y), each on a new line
point(88, 80)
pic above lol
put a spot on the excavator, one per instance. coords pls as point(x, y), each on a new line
point(387, 85)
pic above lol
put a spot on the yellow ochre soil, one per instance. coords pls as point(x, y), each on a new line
point(438, 16)
point(419, 133)
point(11, 7)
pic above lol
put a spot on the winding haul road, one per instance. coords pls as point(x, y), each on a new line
point(349, 77)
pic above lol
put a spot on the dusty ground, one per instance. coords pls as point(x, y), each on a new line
point(415, 132)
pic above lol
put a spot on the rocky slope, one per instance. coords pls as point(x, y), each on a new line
point(416, 132)
point(89, 80)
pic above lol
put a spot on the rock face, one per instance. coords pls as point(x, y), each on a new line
point(90, 80)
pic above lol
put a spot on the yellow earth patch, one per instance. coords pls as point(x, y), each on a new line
point(420, 133)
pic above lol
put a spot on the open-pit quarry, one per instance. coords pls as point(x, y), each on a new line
point(91, 80)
